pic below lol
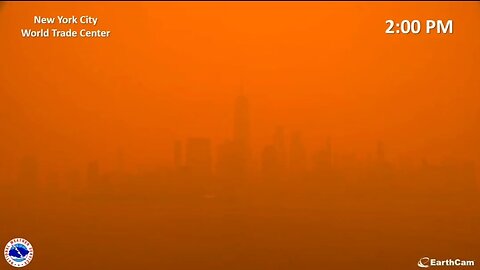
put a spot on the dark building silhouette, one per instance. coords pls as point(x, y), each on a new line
point(198, 156)
point(234, 155)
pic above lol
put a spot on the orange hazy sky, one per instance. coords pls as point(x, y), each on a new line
point(171, 71)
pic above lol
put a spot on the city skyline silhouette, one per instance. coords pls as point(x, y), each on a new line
point(199, 160)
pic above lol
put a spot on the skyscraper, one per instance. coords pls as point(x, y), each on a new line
point(234, 155)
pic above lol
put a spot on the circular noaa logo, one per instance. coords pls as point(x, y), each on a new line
point(18, 252)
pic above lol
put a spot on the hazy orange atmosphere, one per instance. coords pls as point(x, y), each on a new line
point(241, 135)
